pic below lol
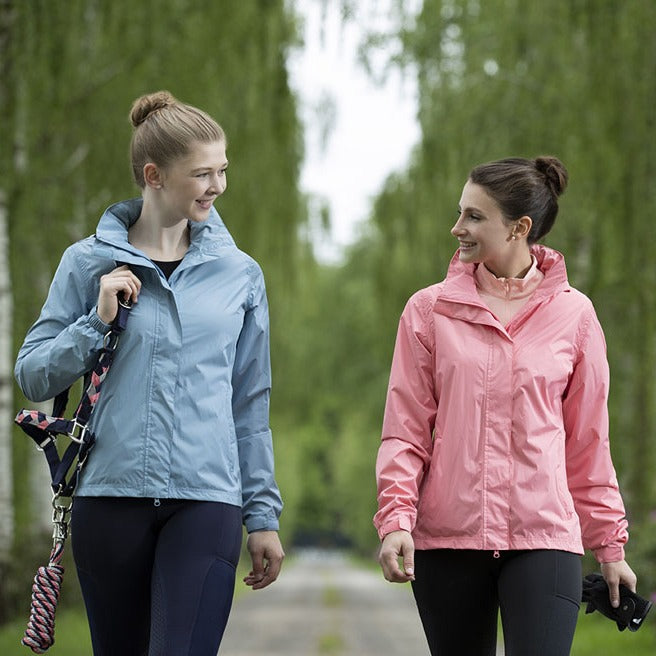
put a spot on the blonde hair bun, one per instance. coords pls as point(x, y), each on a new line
point(144, 106)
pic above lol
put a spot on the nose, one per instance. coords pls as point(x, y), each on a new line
point(218, 183)
point(457, 227)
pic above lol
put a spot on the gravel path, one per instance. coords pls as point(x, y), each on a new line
point(324, 605)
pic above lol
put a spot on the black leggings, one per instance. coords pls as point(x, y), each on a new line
point(459, 593)
point(156, 579)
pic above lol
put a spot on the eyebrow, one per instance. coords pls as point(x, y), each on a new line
point(470, 209)
point(209, 168)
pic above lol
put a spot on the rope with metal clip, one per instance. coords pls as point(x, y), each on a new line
point(40, 632)
point(44, 429)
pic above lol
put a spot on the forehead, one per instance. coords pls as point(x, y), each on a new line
point(204, 155)
point(474, 196)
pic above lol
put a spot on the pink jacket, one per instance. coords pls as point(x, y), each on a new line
point(497, 438)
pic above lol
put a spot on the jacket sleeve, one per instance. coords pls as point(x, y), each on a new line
point(251, 379)
point(591, 475)
point(408, 423)
point(64, 342)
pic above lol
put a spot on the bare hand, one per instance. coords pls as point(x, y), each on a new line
point(616, 573)
point(398, 544)
point(267, 555)
point(119, 280)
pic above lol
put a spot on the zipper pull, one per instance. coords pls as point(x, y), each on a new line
point(496, 554)
point(157, 503)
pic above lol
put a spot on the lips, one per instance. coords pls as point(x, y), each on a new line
point(464, 245)
point(205, 204)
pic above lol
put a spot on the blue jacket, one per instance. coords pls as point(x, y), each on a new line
point(184, 411)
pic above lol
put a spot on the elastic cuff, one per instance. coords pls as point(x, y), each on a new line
point(97, 323)
point(611, 554)
point(398, 524)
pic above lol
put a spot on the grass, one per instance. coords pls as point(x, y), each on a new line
point(71, 635)
point(597, 635)
point(331, 597)
point(330, 643)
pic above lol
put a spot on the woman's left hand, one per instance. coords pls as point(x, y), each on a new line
point(267, 555)
point(616, 573)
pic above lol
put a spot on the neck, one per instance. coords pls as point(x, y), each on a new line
point(516, 267)
point(157, 237)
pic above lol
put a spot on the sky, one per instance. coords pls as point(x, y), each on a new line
point(365, 130)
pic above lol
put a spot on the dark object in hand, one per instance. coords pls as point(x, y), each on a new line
point(630, 613)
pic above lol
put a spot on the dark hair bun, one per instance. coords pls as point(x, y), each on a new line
point(144, 106)
point(554, 172)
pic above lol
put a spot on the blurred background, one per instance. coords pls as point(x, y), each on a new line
point(345, 175)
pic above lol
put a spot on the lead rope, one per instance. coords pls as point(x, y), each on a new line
point(40, 631)
point(43, 429)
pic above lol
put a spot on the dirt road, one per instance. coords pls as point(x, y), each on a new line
point(324, 605)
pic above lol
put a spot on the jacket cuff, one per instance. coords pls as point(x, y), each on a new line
point(97, 323)
point(610, 554)
point(262, 523)
point(397, 524)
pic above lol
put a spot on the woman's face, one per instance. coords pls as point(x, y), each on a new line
point(481, 230)
point(191, 184)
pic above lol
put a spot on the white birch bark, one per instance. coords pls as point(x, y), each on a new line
point(6, 391)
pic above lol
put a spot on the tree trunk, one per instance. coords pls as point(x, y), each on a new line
point(6, 389)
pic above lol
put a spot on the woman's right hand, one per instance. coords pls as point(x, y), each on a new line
point(119, 280)
point(398, 544)
point(614, 574)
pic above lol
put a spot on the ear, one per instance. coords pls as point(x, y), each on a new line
point(152, 175)
point(522, 227)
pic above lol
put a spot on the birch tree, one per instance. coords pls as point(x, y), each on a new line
point(6, 395)
point(6, 364)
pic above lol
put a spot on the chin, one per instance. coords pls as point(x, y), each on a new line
point(199, 217)
point(469, 258)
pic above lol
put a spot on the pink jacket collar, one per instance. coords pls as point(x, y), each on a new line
point(460, 283)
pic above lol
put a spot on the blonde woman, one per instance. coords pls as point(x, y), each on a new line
point(183, 454)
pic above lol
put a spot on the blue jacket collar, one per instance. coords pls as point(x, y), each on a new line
point(207, 238)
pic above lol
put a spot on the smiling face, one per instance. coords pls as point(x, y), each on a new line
point(190, 185)
point(484, 235)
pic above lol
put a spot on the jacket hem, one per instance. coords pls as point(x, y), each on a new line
point(180, 493)
point(477, 544)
